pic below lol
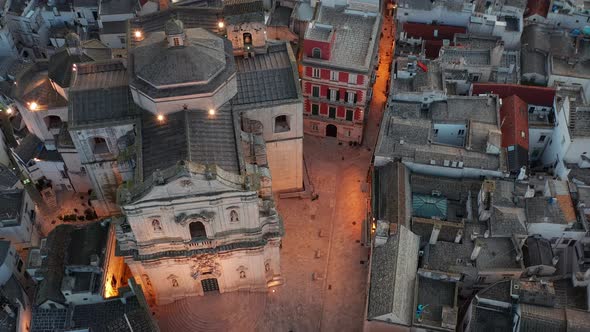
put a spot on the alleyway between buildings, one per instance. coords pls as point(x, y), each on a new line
point(322, 259)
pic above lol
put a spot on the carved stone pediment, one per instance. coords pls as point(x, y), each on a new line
point(205, 265)
point(204, 216)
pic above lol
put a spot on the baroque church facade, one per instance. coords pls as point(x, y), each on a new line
point(206, 137)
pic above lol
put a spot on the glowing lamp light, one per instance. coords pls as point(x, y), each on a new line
point(211, 112)
point(160, 117)
point(220, 24)
point(9, 110)
point(74, 67)
point(137, 34)
point(33, 105)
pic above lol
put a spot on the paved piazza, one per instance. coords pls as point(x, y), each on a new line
point(333, 302)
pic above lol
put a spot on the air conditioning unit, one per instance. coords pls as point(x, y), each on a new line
point(436, 193)
point(446, 163)
point(454, 164)
point(432, 162)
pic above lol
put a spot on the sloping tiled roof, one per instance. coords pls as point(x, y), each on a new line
point(537, 251)
point(191, 135)
point(53, 266)
point(109, 316)
point(7, 178)
point(537, 7)
point(266, 77)
point(100, 93)
point(34, 85)
point(534, 95)
point(29, 148)
point(61, 62)
point(10, 204)
point(60, 66)
point(393, 274)
point(241, 11)
point(544, 210)
point(514, 121)
point(192, 17)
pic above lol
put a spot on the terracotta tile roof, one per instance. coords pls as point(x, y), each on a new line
point(534, 95)
point(514, 122)
point(433, 42)
point(567, 207)
point(537, 7)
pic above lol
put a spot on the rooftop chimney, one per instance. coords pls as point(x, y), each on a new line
point(434, 235)
point(476, 250)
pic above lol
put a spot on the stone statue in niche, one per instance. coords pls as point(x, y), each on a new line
point(174, 280)
point(233, 215)
point(156, 225)
point(242, 274)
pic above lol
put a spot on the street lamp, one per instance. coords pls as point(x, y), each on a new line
point(138, 34)
point(211, 112)
point(33, 105)
point(220, 24)
point(160, 117)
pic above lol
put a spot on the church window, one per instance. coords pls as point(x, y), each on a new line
point(174, 282)
point(282, 124)
point(242, 274)
point(176, 41)
point(266, 267)
point(197, 229)
point(316, 53)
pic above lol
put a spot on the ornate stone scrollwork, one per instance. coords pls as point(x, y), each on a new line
point(204, 216)
point(205, 264)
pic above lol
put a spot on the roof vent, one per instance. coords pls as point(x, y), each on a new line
point(446, 163)
point(436, 193)
point(432, 162)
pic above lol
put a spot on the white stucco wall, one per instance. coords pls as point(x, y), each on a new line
point(284, 149)
point(8, 267)
point(440, 14)
point(205, 102)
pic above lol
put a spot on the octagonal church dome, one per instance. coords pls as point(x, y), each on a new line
point(179, 58)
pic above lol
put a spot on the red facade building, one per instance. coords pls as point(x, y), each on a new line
point(339, 55)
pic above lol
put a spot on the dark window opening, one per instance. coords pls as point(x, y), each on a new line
point(197, 230)
point(282, 124)
point(247, 40)
point(349, 115)
point(332, 112)
point(99, 145)
point(316, 53)
point(315, 109)
point(315, 91)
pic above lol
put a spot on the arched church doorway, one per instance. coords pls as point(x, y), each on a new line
point(331, 130)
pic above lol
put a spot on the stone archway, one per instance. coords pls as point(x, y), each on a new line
point(331, 130)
